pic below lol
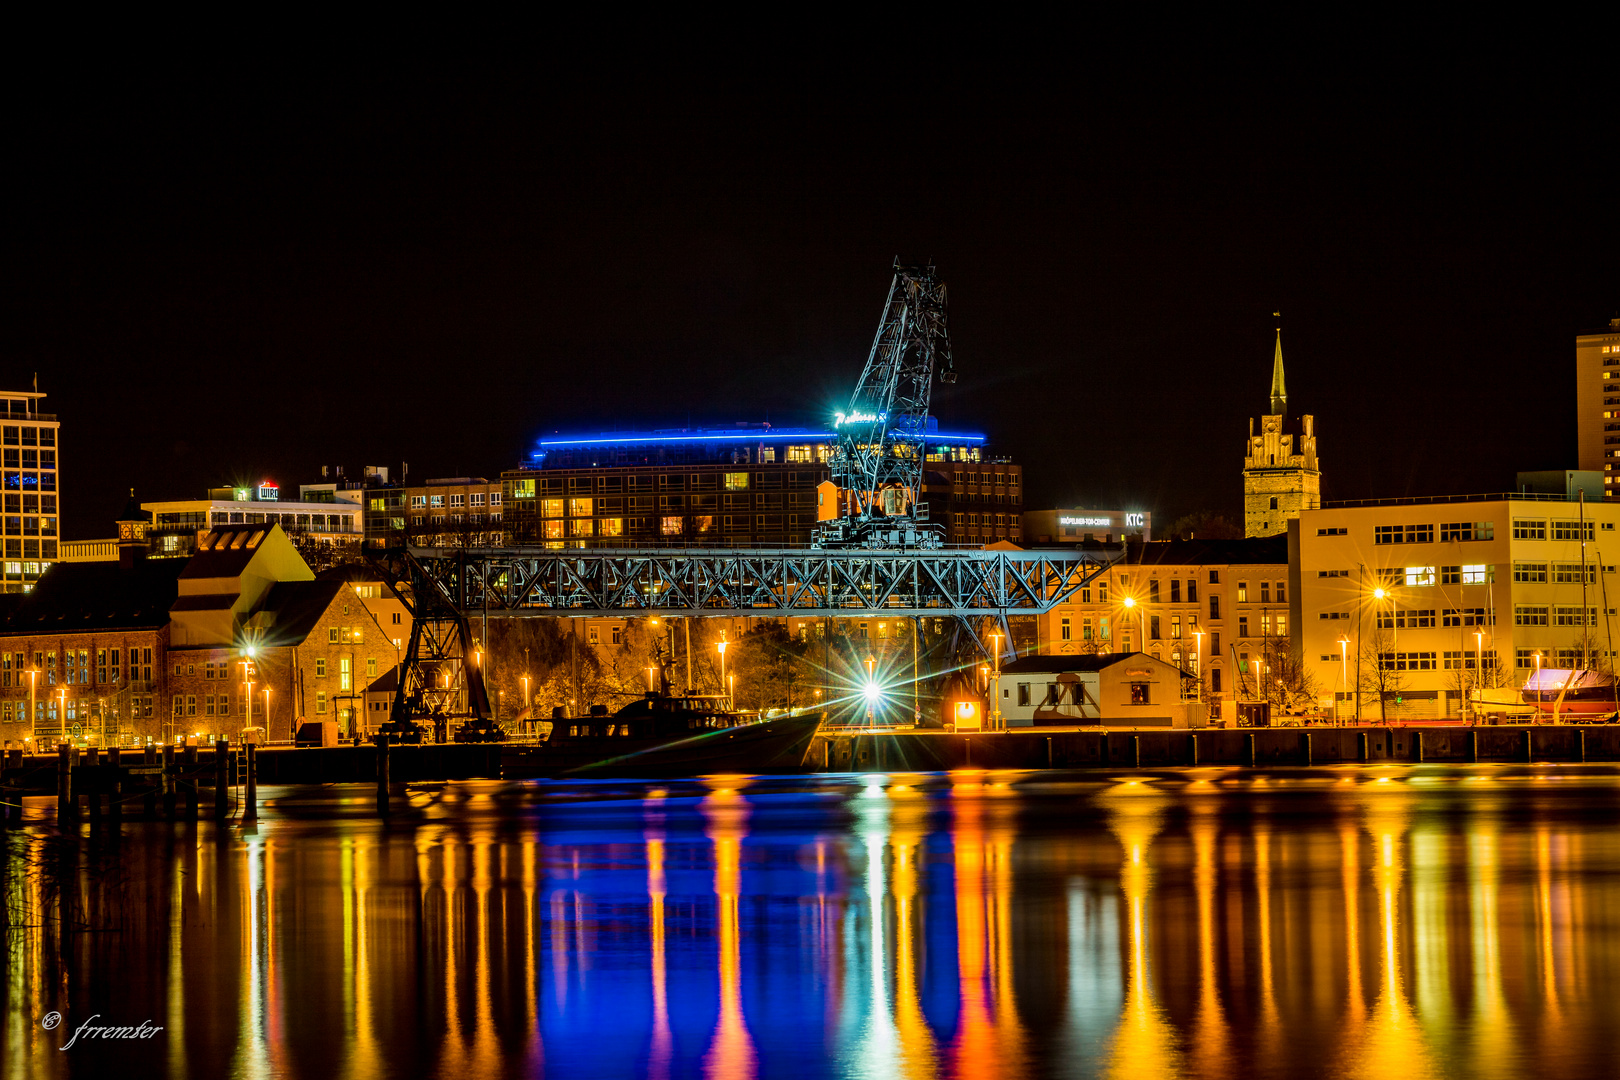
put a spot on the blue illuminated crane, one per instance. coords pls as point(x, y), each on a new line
point(878, 461)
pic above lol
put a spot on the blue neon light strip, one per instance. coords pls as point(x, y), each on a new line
point(785, 436)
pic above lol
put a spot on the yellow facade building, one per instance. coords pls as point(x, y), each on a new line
point(1405, 606)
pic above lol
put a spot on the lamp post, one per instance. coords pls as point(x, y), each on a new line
point(650, 672)
point(731, 694)
point(61, 711)
point(247, 679)
point(1479, 670)
point(871, 672)
point(721, 645)
point(995, 682)
point(267, 712)
point(525, 682)
point(33, 716)
point(1198, 662)
point(1344, 664)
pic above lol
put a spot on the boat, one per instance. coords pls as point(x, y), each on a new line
point(1577, 693)
point(660, 734)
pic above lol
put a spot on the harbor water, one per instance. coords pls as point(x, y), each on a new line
point(1384, 920)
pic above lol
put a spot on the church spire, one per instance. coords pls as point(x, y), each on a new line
point(1279, 391)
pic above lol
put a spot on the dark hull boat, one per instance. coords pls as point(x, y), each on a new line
point(1571, 692)
point(659, 736)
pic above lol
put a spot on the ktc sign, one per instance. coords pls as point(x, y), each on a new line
point(1134, 520)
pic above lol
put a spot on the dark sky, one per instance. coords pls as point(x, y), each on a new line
point(252, 268)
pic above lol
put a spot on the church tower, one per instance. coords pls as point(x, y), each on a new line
point(1280, 476)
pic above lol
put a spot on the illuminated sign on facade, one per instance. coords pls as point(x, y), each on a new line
point(858, 418)
point(1104, 522)
point(1133, 520)
point(269, 492)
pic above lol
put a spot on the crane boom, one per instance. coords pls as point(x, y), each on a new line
point(882, 438)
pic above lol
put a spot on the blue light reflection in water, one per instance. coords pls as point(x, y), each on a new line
point(1423, 921)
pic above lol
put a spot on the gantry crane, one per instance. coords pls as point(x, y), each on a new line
point(882, 438)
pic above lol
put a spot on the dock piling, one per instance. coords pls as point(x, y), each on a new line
point(382, 775)
point(222, 779)
point(250, 802)
point(64, 784)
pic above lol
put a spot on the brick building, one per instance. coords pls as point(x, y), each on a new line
point(156, 648)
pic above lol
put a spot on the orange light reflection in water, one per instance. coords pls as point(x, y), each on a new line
point(1411, 924)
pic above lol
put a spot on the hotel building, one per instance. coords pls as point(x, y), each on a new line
point(747, 486)
point(324, 513)
point(1415, 601)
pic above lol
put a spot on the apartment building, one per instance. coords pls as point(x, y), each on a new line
point(1217, 609)
point(1597, 402)
point(1404, 606)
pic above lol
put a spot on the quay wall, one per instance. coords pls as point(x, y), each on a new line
point(1260, 747)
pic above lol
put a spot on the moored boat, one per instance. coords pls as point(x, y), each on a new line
point(665, 735)
point(1572, 692)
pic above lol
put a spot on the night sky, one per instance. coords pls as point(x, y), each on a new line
point(251, 269)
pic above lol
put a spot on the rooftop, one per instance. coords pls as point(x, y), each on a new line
point(1426, 500)
point(739, 433)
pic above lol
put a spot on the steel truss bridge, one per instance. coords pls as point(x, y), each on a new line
point(451, 586)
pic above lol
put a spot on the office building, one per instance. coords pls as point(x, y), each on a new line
point(460, 511)
point(29, 444)
point(1597, 402)
point(1281, 476)
point(1404, 605)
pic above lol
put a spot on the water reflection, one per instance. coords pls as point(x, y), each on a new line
point(1409, 922)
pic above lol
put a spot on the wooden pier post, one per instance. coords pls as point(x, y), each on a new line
point(189, 757)
point(222, 779)
point(149, 799)
point(382, 775)
point(250, 802)
point(115, 789)
point(64, 784)
point(1308, 758)
point(1473, 747)
point(168, 781)
point(1193, 741)
point(1252, 758)
point(1417, 746)
point(1364, 745)
point(1136, 751)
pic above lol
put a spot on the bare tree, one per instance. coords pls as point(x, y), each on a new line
point(1378, 673)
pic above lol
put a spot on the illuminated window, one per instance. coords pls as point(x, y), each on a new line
point(1529, 529)
point(670, 526)
point(551, 508)
point(736, 481)
point(1243, 592)
point(435, 500)
point(579, 507)
point(523, 489)
point(553, 530)
point(613, 526)
point(582, 526)
point(703, 523)
point(1419, 575)
point(320, 702)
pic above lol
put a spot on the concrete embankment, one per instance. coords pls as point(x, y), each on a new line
point(926, 751)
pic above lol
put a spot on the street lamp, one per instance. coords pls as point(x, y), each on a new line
point(650, 673)
point(1344, 663)
point(1198, 662)
point(1479, 669)
point(247, 679)
point(61, 711)
point(267, 712)
point(721, 645)
point(525, 682)
point(869, 691)
point(731, 695)
point(33, 717)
